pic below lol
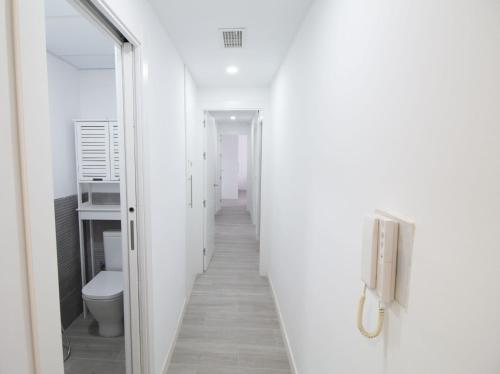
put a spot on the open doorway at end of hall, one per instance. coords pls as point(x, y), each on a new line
point(232, 169)
point(233, 149)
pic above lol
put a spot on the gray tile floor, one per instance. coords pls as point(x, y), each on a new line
point(231, 325)
point(91, 353)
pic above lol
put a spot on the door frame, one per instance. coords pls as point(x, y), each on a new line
point(37, 192)
point(258, 220)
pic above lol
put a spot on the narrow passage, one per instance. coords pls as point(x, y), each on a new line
point(231, 325)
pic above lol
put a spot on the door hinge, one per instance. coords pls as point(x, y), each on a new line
point(204, 155)
point(204, 203)
point(204, 251)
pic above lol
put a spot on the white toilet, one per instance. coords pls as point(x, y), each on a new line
point(103, 295)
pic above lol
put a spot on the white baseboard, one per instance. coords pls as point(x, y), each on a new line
point(288, 347)
point(166, 363)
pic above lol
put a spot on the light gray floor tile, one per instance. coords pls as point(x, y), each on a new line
point(91, 353)
point(231, 325)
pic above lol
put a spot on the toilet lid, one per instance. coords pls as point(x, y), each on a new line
point(105, 285)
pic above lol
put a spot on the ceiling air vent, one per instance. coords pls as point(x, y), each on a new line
point(232, 38)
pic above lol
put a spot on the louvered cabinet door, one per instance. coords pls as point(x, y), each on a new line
point(93, 151)
point(114, 150)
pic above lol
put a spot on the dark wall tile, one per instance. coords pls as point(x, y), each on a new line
point(68, 251)
point(68, 258)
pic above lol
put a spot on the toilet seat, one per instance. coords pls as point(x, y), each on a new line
point(106, 285)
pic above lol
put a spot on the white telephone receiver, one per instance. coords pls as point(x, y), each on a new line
point(380, 245)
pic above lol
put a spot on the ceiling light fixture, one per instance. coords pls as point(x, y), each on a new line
point(232, 69)
point(232, 118)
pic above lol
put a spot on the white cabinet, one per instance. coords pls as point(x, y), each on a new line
point(97, 151)
point(97, 146)
point(114, 151)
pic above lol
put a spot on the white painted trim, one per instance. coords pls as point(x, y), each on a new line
point(171, 350)
point(36, 183)
point(283, 329)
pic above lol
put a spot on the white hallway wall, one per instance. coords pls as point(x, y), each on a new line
point(393, 105)
point(74, 94)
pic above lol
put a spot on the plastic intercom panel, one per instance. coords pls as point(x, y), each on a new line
point(379, 261)
point(387, 259)
point(406, 234)
point(370, 251)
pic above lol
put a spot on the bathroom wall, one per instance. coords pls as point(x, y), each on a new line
point(74, 94)
point(64, 95)
point(97, 94)
point(68, 258)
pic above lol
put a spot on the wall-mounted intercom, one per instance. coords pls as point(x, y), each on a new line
point(379, 262)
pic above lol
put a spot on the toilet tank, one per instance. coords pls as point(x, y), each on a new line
point(112, 241)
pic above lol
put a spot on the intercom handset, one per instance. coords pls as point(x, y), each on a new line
point(378, 270)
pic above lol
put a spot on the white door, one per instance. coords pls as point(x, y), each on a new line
point(218, 175)
point(124, 133)
point(230, 167)
point(210, 155)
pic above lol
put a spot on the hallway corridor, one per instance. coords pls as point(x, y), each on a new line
point(231, 324)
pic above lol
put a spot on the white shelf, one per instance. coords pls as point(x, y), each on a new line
point(98, 182)
point(99, 212)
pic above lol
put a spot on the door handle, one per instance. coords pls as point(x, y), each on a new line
point(191, 184)
point(132, 236)
point(216, 185)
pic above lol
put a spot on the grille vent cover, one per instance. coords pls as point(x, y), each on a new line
point(232, 38)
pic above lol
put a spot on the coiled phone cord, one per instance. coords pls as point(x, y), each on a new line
point(380, 323)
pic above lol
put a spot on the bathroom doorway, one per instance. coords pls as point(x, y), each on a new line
point(91, 66)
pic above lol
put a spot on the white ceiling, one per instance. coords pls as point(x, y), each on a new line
point(270, 26)
point(242, 116)
point(72, 38)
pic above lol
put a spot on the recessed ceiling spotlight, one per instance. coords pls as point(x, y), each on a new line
point(232, 69)
point(232, 118)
